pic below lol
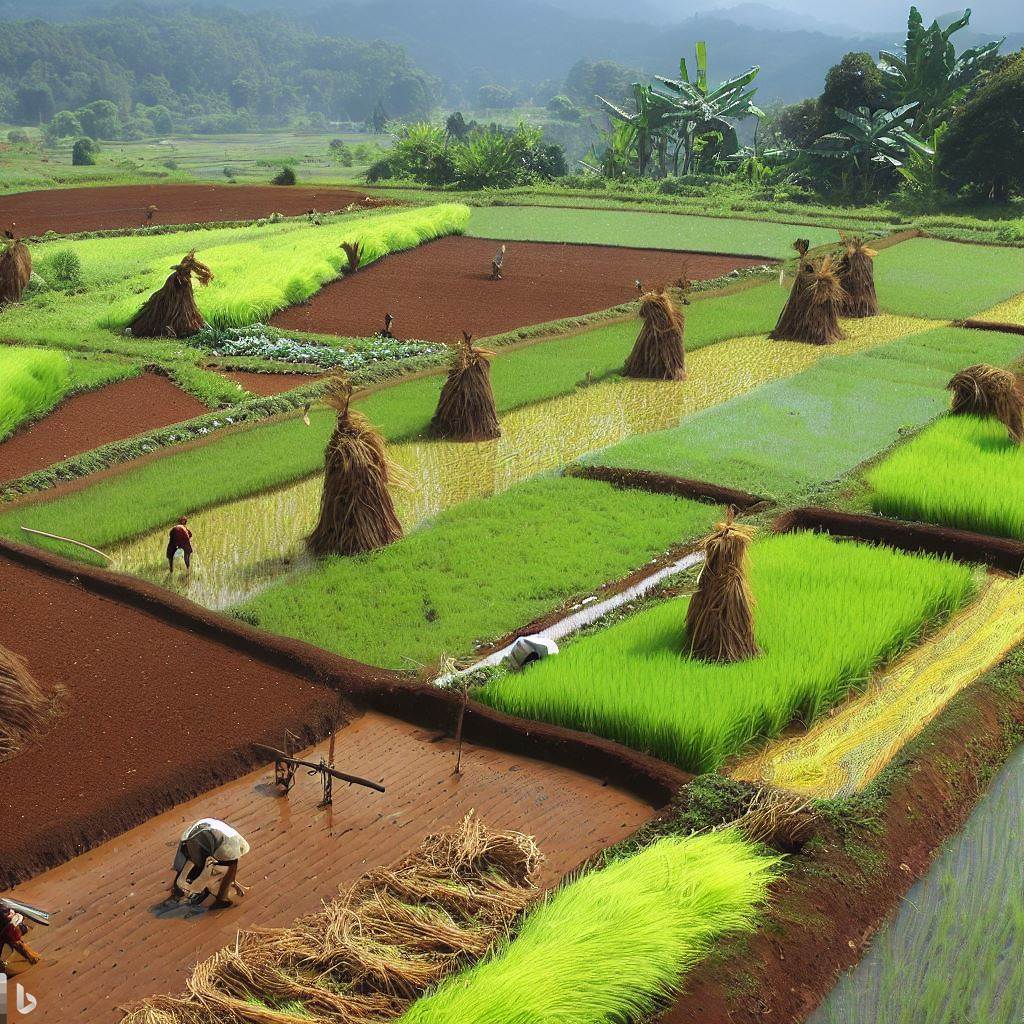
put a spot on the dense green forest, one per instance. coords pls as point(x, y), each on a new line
point(145, 69)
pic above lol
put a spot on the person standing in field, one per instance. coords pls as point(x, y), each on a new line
point(180, 539)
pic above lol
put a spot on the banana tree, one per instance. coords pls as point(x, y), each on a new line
point(650, 126)
point(867, 141)
point(702, 109)
point(928, 72)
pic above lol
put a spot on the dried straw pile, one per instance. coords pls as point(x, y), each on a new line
point(812, 311)
point(15, 270)
point(983, 390)
point(466, 411)
point(354, 254)
point(368, 955)
point(658, 353)
point(856, 273)
point(356, 511)
point(720, 617)
point(24, 708)
point(171, 312)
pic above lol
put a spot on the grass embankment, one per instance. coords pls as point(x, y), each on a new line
point(962, 471)
point(793, 435)
point(277, 453)
point(31, 382)
point(478, 572)
point(642, 229)
point(946, 280)
point(611, 944)
point(827, 613)
point(257, 271)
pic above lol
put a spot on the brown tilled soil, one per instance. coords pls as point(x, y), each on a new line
point(152, 713)
point(94, 418)
point(442, 288)
point(269, 383)
point(67, 210)
point(108, 947)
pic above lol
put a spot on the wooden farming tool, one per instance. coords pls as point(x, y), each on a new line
point(328, 773)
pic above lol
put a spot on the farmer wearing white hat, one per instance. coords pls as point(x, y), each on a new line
point(206, 862)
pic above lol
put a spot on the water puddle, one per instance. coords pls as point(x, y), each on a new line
point(242, 546)
point(955, 951)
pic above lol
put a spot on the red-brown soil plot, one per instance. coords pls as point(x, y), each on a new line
point(95, 418)
point(109, 948)
point(438, 290)
point(68, 210)
point(269, 383)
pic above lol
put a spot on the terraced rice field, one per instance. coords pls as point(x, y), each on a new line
point(845, 752)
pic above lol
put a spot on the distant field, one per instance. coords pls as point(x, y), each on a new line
point(798, 433)
point(643, 230)
point(946, 280)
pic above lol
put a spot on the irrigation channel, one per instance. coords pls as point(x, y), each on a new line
point(244, 545)
point(955, 951)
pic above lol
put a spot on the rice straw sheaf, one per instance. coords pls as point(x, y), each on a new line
point(15, 270)
point(658, 353)
point(856, 273)
point(24, 708)
point(354, 254)
point(811, 314)
point(720, 615)
point(466, 410)
point(983, 390)
point(171, 312)
point(356, 510)
point(367, 955)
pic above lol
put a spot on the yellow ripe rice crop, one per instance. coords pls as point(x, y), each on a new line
point(1009, 312)
point(843, 753)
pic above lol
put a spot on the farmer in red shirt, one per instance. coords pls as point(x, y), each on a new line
point(180, 539)
point(12, 933)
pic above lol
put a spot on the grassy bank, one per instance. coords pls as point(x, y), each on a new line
point(31, 382)
point(827, 613)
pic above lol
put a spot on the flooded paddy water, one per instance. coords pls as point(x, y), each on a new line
point(242, 546)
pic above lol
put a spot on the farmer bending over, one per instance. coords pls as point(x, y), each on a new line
point(206, 862)
point(12, 933)
point(180, 539)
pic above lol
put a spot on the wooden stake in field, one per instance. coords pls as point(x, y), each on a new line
point(24, 708)
point(466, 409)
point(811, 314)
point(983, 390)
point(356, 511)
point(172, 312)
point(658, 352)
point(856, 273)
point(720, 618)
point(15, 269)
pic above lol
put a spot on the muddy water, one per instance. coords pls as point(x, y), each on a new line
point(955, 951)
point(242, 546)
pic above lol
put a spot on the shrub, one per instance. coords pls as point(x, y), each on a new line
point(285, 176)
point(18, 137)
point(64, 270)
point(84, 152)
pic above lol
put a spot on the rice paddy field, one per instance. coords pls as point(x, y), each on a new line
point(962, 471)
point(736, 856)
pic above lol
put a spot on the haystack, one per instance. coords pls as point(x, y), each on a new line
point(24, 708)
point(856, 273)
point(658, 353)
point(720, 618)
point(371, 952)
point(15, 269)
point(811, 313)
point(354, 254)
point(466, 410)
point(172, 312)
point(984, 390)
point(356, 511)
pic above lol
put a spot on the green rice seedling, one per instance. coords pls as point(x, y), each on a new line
point(826, 614)
point(32, 381)
point(643, 229)
point(791, 436)
point(946, 280)
point(962, 471)
point(953, 953)
point(610, 946)
point(477, 571)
